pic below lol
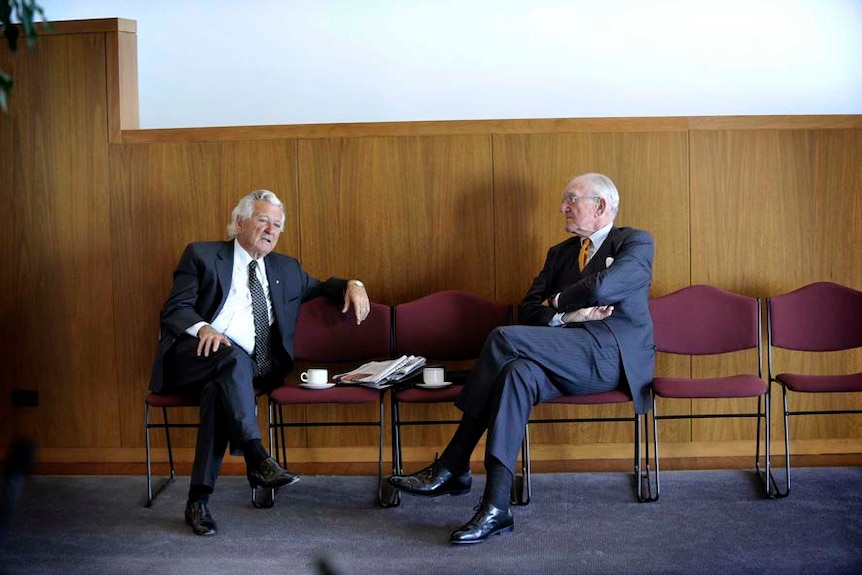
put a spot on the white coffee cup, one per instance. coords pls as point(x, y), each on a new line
point(433, 375)
point(314, 376)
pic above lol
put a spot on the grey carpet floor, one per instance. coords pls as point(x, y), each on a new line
point(705, 522)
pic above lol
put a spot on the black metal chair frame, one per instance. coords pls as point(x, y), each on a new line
point(166, 425)
point(522, 488)
point(391, 495)
point(459, 377)
point(787, 412)
point(763, 420)
point(278, 443)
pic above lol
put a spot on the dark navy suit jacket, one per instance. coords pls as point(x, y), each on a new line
point(619, 274)
point(201, 284)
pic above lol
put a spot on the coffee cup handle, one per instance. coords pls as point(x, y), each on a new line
point(304, 377)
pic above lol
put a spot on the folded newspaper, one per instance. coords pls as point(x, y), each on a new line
point(380, 374)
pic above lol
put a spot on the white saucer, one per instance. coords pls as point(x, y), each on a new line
point(434, 385)
point(316, 385)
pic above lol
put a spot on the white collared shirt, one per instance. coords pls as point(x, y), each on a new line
point(235, 319)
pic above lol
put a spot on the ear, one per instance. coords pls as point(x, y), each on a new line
point(602, 206)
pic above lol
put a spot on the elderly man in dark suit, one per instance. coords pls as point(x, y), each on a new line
point(587, 329)
point(227, 330)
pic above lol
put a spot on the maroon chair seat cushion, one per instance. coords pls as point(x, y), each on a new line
point(173, 400)
point(417, 395)
point(291, 395)
point(820, 383)
point(615, 396)
point(744, 385)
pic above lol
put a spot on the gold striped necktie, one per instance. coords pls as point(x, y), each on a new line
point(582, 257)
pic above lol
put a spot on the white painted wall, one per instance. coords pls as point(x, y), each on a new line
point(229, 62)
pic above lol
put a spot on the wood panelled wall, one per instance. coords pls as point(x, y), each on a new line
point(96, 214)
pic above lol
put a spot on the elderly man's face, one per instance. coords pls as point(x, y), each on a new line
point(259, 233)
point(584, 210)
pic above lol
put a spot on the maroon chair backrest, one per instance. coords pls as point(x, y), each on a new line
point(324, 334)
point(703, 320)
point(822, 316)
point(447, 325)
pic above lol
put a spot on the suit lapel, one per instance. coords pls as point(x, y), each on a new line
point(597, 262)
point(224, 271)
point(275, 284)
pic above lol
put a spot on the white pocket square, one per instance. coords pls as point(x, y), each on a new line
point(608, 262)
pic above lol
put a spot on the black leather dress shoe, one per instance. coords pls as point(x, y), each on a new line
point(270, 474)
point(198, 516)
point(432, 481)
point(488, 521)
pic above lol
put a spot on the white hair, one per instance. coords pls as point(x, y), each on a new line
point(245, 208)
point(602, 186)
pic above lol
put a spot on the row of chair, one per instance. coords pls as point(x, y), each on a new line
point(704, 320)
point(450, 327)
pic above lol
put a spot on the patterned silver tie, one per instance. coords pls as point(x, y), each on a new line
point(262, 355)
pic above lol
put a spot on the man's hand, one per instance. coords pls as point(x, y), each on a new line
point(358, 298)
point(594, 313)
point(210, 340)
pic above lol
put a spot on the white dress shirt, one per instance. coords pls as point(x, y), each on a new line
point(235, 319)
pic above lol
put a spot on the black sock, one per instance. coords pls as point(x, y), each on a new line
point(254, 453)
point(499, 484)
point(200, 493)
point(456, 456)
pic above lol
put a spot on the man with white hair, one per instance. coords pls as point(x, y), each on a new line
point(227, 329)
point(586, 329)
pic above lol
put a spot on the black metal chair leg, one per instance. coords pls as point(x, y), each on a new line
point(521, 489)
point(643, 474)
point(152, 495)
point(388, 495)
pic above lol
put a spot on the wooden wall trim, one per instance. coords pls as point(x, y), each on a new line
point(496, 127)
point(383, 129)
point(820, 122)
point(88, 26)
point(121, 66)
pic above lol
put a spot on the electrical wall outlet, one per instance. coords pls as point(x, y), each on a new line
point(25, 398)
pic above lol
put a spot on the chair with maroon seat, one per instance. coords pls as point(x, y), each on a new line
point(448, 328)
point(704, 320)
point(521, 487)
point(818, 318)
point(163, 402)
point(326, 338)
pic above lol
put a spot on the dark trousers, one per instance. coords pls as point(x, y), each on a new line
point(226, 383)
point(521, 366)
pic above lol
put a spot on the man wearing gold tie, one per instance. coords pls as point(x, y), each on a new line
point(226, 330)
point(586, 328)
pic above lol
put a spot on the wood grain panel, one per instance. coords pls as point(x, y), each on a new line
point(121, 67)
point(408, 215)
point(530, 173)
point(773, 211)
point(57, 267)
point(165, 196)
